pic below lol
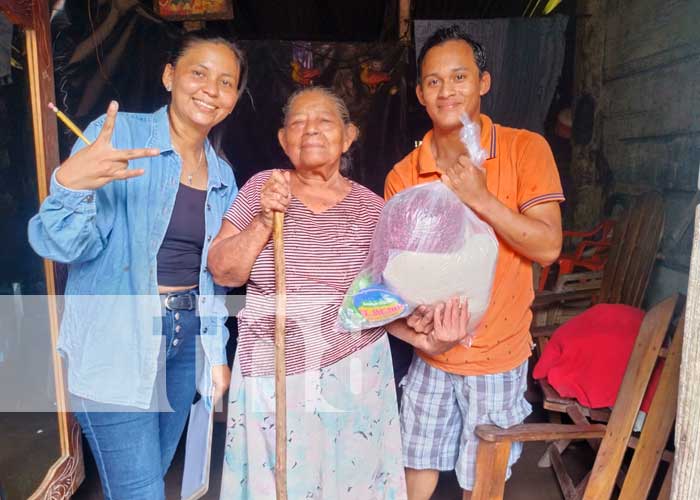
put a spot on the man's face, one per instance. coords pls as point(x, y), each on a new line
point(451, 85)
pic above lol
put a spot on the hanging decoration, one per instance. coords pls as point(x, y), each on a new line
point(302, 64)
point(368, 77)
point(372, 76)
point(194, 10)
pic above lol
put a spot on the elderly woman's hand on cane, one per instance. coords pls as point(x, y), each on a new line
point(275, 196)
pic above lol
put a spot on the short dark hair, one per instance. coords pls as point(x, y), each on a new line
point(453, 32)
point(192, 38)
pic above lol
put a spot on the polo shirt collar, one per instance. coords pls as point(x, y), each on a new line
point(426, 161)
point(488, 137)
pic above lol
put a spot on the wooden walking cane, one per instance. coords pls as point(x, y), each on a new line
point(280, 365)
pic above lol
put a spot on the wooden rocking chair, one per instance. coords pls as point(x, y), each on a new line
point(617, 435)
point(624, 278)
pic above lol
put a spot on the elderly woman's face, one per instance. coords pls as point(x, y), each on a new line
point(314, 134)
point(203, 83)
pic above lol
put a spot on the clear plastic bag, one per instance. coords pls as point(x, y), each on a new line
point(428, 246)
point(470, 135)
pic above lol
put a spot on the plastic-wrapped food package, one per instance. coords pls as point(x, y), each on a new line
point(428, 247)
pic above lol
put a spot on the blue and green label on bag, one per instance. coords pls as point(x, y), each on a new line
point(378, 305)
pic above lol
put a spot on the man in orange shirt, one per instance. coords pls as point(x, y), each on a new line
point(452, 388)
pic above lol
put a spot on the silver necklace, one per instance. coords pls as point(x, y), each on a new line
point(199, 165)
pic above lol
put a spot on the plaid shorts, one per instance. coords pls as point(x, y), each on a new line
point(439, 412)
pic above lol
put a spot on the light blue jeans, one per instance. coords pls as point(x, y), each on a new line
point(133, 448)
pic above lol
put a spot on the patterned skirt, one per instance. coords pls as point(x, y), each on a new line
point(343, 435)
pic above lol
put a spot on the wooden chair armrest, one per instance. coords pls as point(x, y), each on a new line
point(539, 432)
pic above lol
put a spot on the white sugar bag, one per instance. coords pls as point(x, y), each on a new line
point(427, 278)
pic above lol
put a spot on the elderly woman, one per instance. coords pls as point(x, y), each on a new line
point(133, 215)
point(343, 427)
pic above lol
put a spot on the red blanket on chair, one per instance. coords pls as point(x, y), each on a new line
point(587, 356)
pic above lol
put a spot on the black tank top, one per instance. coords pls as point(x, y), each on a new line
point(180, 255)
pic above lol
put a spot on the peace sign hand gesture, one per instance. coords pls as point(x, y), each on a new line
point(99, 163)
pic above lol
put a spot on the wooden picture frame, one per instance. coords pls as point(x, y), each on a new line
point(64, 476)
point(194, 10)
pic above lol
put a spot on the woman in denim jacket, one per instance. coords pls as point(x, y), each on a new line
point(133, 215)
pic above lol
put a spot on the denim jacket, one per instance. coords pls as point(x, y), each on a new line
point(111, 325)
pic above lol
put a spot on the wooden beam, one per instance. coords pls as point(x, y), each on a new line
point(588, 86)
point(64, 477)
point(42, 92)
point(36, 64)
point(41, 85)
point(686, 467)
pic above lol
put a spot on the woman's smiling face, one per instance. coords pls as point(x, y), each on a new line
point(204, 83)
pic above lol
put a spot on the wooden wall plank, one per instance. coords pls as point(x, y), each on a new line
point(641, 35)
point(660, 103)
point(666, 163)
point(686, 467)
point(651, 123)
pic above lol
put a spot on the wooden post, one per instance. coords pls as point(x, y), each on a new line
point(491, 465)
point(686, 466)
point(405, 20)
point(66, 474)
point(280, 365)
point(588, 85)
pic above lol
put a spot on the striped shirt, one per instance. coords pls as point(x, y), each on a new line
point(323, 254)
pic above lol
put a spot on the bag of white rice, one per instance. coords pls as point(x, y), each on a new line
point(428, 247)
